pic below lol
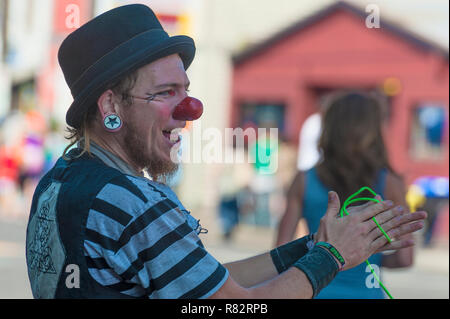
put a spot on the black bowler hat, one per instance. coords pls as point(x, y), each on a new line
point(114, 43)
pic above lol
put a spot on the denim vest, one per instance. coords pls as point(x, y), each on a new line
point(56, 228)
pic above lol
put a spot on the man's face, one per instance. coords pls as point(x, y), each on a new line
point(147, 124)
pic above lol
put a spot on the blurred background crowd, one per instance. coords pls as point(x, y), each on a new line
point(259, 64)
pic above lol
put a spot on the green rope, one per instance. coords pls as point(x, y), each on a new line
point(349, 201)
point(379, 281)
point(373, 218)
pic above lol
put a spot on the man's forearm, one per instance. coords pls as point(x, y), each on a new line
point(291, 284)
point(304, 279)
point(252, 271)
point(255, 270)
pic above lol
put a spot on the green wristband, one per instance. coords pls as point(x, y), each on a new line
point(333, 251)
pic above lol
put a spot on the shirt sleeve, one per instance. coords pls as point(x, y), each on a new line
point(142, 244)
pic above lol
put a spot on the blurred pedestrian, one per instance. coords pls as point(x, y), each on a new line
point(353, 156)
point(308, 151)
point(308, 148)
point(11, 157)
point(235, 197)
point(9, 174)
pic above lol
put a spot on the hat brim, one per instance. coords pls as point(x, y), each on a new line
point(137, 53)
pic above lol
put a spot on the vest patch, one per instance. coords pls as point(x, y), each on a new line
point(45, 251)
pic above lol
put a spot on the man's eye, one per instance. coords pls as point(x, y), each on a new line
point(167, 93)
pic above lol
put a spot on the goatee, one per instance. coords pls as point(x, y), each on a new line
point(158, 169)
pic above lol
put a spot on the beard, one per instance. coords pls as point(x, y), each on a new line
point(159, 169)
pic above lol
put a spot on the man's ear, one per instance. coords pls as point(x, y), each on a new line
point(106, 104)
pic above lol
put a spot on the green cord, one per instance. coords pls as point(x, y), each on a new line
point(349, 201)
point(373, 218)
point(379, 281)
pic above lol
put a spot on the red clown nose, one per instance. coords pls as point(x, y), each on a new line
point(189, 109)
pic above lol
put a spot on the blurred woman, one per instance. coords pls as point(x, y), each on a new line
point(353, 155)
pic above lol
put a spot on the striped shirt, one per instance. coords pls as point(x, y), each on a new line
point(141, 241)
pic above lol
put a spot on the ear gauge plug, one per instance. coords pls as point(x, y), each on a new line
point(112, 122)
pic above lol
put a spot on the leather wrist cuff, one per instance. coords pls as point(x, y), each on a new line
point(319, 266)
point(286, 255)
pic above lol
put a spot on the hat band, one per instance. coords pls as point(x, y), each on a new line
point(150, 35)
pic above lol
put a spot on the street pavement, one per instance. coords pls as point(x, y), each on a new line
point(428, 278)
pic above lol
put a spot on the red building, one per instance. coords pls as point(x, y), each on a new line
point(282, 79)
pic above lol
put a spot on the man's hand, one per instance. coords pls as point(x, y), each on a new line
point(357, 237)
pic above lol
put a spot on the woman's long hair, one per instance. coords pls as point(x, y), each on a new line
point(351, 143)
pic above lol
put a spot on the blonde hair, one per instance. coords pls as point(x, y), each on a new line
point(120, 87)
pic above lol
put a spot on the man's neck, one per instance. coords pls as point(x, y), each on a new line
point(118, 153)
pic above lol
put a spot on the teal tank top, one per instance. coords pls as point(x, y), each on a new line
point(355, 283)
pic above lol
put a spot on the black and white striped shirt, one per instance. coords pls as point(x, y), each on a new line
point(141, 241)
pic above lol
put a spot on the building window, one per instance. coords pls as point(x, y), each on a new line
point(430, 122)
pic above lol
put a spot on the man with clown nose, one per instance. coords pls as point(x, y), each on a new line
point(99, 228)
